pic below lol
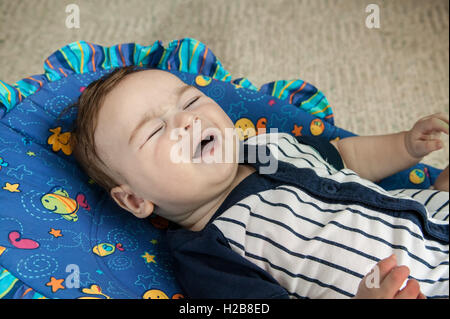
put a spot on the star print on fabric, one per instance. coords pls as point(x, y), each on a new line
point(55, 232)
point(13, 188)
point(277, 121)
point(297, 131)
point(19, 172)
point(154, 241)
point(149, 258)
point(146, 282)
point(271, 102)
point(237, 110)
point(30, 153)
point(56, 284)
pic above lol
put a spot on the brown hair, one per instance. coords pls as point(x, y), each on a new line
point(82, 140)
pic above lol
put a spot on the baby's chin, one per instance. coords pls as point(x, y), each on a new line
point(216, 173)
point(221, 179)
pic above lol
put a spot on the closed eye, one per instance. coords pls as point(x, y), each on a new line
point(156, 131)
point(192, 102)
point(153, 133)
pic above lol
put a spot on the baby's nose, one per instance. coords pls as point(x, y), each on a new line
point(189, 125)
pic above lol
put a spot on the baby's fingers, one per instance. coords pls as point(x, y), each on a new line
point(386, 265)
point(411, 291)
point(442, 116)
point(434, 123)
point(432, 145)
point(441, 125)
point(421, 296)
point(393, 281)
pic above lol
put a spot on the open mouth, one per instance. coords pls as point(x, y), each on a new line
point(206, 145)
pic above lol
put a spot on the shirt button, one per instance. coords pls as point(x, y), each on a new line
point(330, 188)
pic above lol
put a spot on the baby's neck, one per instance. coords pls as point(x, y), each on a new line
point(243, 172)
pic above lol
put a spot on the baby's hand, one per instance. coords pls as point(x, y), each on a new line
point(387, 280)
point(424, 137)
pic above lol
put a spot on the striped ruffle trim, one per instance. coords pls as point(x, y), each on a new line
point(13, 288)
point(186, 55)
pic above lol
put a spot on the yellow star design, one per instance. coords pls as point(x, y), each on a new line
point(154, 241)
point(30, 153)
point(149, 258)
point(13, 188)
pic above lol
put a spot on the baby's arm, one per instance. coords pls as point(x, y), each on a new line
point(377, 157)
point(385, 280)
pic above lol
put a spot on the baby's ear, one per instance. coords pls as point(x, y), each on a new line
point(129, 201)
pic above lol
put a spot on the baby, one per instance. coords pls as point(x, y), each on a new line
point(311, 229)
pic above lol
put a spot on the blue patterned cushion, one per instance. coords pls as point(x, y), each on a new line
point(56, 225)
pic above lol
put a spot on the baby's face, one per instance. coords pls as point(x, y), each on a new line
point(133, 137)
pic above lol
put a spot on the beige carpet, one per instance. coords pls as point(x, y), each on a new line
point(377, 80)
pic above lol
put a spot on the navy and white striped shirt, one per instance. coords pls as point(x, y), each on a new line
point(311, 229)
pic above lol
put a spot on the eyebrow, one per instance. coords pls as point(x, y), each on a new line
point(149, 115)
